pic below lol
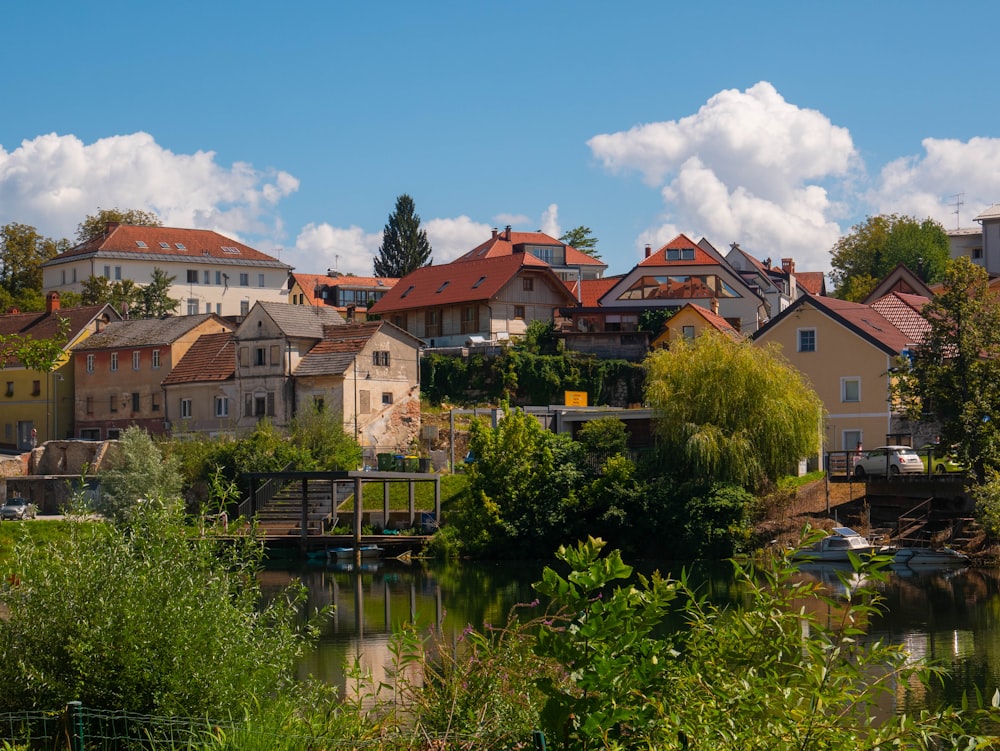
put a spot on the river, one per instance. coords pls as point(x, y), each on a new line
point(951, 617)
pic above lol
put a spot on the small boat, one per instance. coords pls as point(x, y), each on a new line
point(837, 546)
point(930, 557)
point(346, 554)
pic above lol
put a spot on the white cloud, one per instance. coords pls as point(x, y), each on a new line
point(450, 238)
point(927, 185)
point(748, 167)
point(550, 221)
point(514, 220)
point(53, 182)
point(321, 246)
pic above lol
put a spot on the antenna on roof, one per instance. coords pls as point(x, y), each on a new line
point(958, 207)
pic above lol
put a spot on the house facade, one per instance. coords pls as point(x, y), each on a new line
point(212, 273)
point(201, 388)
point(846, 351)
point(119, 373)
point(350, 295)
point(472, 301)
point(568, 263)
point(692, 321)
point(38, 406)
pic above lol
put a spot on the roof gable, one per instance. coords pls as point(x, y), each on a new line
point(505, 244)
point(681, 251)
point(294, 321)
point(212, 357)
point(47, 325)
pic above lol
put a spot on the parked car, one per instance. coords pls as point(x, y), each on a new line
point(18, 508)
point(894, 460)
point(941, 460)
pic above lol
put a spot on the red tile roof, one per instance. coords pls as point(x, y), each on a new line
point(310, 282)
point(712, 319)
point(46, 325)
point(904, 311)
point(501, 246)
point(168, 243)
point(812, 282)
point(211, 358)
point(594, 289)
point(865, 320)
point(659, 258)
point(456, 283)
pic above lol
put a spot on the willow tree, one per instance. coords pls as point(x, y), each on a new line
point(731, 411)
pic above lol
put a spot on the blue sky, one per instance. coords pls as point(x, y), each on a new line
point(295, 126)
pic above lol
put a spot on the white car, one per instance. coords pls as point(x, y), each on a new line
point(891, 460)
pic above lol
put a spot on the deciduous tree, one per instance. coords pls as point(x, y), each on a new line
point(731, 411)
point(22, 252)
point(96, 224)
point(880, 243)
point(404, 245)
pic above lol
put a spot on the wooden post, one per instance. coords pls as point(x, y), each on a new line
point(437, 501)
point(412, 501)
point(385, 502)
point(358, 501)
point(305, 511)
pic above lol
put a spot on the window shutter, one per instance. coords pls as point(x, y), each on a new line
point(248, 405)
point(244, 357)
point(270, 403)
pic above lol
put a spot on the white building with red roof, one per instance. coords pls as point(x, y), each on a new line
point(211, 272)
point(350, 295)
point(568, 263)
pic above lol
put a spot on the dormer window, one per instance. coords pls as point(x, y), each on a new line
point(443, 287)
point(480, 281)
point(141, 244)
point(408, 291)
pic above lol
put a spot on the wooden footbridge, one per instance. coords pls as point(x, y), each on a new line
point(296, 512)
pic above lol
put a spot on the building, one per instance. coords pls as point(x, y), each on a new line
point(691, 321)
point(212, 273)
point(201, 388)
point(119, 373)
point(37, 406)
point(350, 295)
point(475, 300)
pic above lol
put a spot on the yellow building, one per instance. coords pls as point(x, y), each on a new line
point(38, 406)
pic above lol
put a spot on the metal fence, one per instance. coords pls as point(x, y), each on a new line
point(78, 728)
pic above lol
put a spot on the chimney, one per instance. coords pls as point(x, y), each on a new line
point(649, 250)
point(506, 233)
point(715, 305)
point(110, 227)
point(788, 265)
point(495, 233)
point(51, 302)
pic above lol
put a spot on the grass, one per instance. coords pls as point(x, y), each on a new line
point(41, 531)
point(399, 494)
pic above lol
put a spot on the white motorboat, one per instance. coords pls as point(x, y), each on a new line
point(930, 558)
point(837, 546)
point(345, 553)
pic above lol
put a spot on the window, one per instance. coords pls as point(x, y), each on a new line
point(260, 280)
point(90, 405)
point(399, 320)
point(180, 246)
point(135, 360)
point(154, 402)
point(244, 280)
point(36, 388)
point(185, 408)
point(850, 389)
point(192, 276)
point(528, 284)
point(64, 276)
point(977, 254)
point(164, 245)
point(141, 244)
point(218, 277)
point(380, 358)
point(386, 397)
point(118, 273)
point(260, 356)
point(519, 311)
point(114, 362)
point(432, 323)
point(135, 401)
point(156, 358)
point(90, 434)
point(807, 340)
point(206, 277)
point(10, 388)
point(107, 272)
point(113, 403)
point(470, 319)
point(208, 307)
point(244, 306)
point(687, 332)
point(90, 363)
point(114, 434)
point(192, 306)
point(221, 406)
point(218, 308)
point(852, 440)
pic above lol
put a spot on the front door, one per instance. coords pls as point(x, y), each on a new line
point(26, 435)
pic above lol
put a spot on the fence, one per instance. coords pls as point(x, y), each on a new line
point(78, 728)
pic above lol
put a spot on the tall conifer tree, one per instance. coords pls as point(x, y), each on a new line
point(404, 245)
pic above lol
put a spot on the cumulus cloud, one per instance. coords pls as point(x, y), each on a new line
point(550, 221)
point(450, 238)
point(930, 185)
point(319, 247)
point(54, 181)
point(748, 167)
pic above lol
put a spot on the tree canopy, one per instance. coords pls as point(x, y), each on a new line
point(731, 411)
point(582, 239)
point(22, 252)
point(404, 245)
point(149, 301)
point(876, 246)
point(95, 224)
point(954, 375)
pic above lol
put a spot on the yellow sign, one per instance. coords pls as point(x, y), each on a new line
point(576, 398)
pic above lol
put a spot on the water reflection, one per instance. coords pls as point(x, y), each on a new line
point(951, 617)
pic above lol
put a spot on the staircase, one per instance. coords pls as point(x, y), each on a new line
point(282, 514)
point(911, 529)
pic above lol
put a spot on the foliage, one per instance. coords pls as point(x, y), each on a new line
point(95, 225)
point(605, 436)
point(154, 299)
point(715, 520)
point(139, 472)
point(264, 450)
point(141, 617)
point(731, 411)
point(654, 320)
point(954, 376)
point(39, 355)
point(404, 245)
point(540, 338)
point(522, 486)
point(320, 432)
point(987, 497)
point(582, 239)
point(775, 674)
point(22, 253)
point(149, 301)
point(880, 243)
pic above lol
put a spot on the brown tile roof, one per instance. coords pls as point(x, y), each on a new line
point(46, 325)
point(904, 312)
point(146, 332)
point(168, 244)
point(501, 246)
point(594, 289)
point(713, 319)
point(337, 349)
point(813, 282)
point(864, 320)
point(456, 283)
point(211, 358)
point(701, 256)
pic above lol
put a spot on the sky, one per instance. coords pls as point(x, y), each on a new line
point(294, 126)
